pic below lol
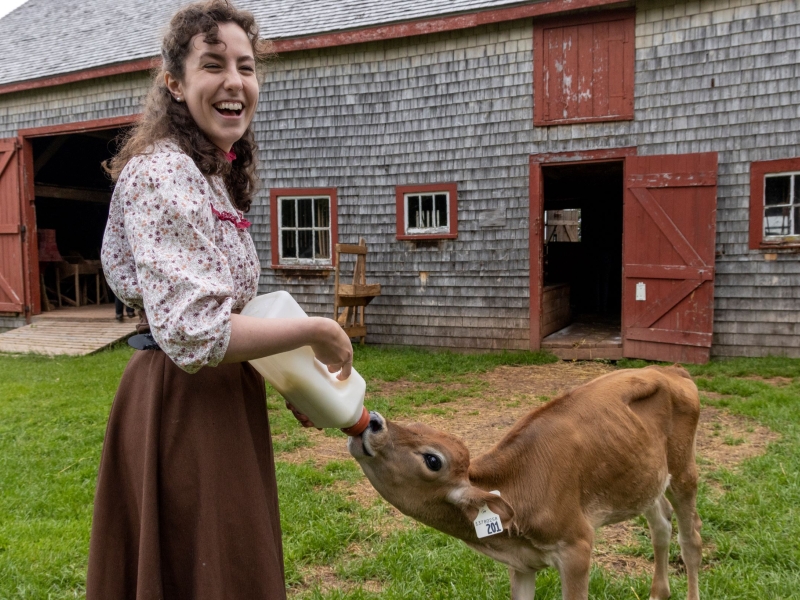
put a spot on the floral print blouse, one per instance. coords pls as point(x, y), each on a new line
point(175, 246)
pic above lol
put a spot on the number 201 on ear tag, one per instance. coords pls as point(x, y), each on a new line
point(487, 523)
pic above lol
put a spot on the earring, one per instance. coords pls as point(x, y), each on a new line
point(177, 99)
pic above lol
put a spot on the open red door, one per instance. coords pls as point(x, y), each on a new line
point(668, 257)
point(12, 280)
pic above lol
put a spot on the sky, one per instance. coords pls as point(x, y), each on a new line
point(6, 6)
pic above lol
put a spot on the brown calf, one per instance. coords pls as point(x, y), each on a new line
point(609, 450)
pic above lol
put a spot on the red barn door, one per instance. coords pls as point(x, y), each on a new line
point(668, 257)
point(12, 280)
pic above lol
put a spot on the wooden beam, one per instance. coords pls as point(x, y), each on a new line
point(67, 193)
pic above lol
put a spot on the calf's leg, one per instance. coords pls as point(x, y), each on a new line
point(683, 493)
point(659, 518)
point(523, 584)
point(575, 562)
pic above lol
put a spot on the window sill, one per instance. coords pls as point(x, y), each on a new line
point(432, 236)
point(577, 120)
point(312, 268)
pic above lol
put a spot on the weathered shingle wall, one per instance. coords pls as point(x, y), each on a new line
point(434, 109)
point(83, 101)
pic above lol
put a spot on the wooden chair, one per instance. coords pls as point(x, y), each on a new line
point(351, 299)
point(91, 268)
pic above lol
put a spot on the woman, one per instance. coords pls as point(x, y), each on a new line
point(186, 503)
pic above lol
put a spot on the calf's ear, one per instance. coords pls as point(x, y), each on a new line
point(472, 499)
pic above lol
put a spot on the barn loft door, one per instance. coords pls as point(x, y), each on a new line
point(668, 257)
point(12, 282)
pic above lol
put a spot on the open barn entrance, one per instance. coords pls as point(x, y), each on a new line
point(72, 196)
point(582, 259)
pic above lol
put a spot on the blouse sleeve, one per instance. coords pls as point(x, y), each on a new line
point(186, 284)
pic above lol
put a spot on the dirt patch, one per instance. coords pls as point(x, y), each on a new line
point(723, 440)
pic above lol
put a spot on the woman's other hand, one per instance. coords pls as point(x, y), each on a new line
point(304, 420)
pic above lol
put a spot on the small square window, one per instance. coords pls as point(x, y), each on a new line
point(775, 203)
point(304, 227)
point(562, 225)
point(426, 211)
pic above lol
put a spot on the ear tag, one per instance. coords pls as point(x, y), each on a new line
point(487, 523)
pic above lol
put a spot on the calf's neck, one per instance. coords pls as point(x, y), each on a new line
point(616, 447)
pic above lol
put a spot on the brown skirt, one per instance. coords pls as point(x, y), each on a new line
point(186, 504)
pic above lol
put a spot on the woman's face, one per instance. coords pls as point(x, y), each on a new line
point(219, 86)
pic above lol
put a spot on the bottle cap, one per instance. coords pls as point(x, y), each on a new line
point(360, 425)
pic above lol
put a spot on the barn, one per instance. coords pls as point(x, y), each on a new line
point(603, 179)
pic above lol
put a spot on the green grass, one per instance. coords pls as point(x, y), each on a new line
point(52, 420)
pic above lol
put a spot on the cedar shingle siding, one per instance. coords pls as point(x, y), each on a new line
point(458, 106)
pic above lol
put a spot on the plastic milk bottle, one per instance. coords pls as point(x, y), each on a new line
point(303, 380)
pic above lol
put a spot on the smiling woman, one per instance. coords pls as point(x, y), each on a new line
point(186, 503)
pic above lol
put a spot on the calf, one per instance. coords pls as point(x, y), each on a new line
point(606, 451)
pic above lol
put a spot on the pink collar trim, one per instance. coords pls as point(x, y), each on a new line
point(240, 222)
point(230, 156)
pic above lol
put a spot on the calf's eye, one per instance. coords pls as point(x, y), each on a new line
point(433, 462)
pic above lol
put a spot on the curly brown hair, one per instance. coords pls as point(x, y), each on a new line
point(164, 118)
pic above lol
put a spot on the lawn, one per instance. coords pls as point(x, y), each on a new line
point(343, 542)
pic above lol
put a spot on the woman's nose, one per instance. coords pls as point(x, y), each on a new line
point(233, 80)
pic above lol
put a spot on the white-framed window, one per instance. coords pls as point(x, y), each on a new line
point(782, 206)
point(427, 211)
point(775, 204)
point(304, 230)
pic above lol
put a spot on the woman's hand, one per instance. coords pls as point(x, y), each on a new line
point(304, 420)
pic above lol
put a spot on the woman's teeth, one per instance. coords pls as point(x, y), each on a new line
point(227, 108)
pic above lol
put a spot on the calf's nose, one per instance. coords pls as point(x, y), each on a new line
point(375, 422)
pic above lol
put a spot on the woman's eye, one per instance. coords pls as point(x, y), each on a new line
point(433, 462)
point(212, 66)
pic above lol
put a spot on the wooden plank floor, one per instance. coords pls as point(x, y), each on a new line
point(72, 331)
point(586, 339)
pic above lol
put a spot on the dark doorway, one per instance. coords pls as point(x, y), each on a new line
point(582, 296)
point(73, 194)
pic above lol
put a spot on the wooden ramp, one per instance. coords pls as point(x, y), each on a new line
point(72, 331)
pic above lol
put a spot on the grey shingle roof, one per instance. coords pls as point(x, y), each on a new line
point(44, 38)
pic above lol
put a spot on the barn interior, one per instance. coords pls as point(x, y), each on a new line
point(72, 197)
point(583, 253)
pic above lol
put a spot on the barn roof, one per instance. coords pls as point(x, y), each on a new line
point(47, 38)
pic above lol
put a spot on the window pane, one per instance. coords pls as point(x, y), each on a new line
point(287, 213)
point(413, 211)
point(797, 189)
point(777, 190)
point(426, 211)
point(776, 221)
point(440, 219)
point(322, 244)
point(304, 213)
point(796, 220)
point(322, 212)
point(305, 243)
point(289, 246)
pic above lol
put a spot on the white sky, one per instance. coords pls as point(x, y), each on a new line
point(6, 6)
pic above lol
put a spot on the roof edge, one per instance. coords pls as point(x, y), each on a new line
point(342, 38)
point(436, 24)
point(131, 66)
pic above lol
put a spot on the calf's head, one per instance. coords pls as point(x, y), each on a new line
point(424, 473)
